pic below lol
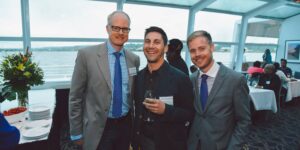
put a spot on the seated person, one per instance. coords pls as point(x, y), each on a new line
point(269, 80)
point(283, 78)
point(286, 70)
point(255, 68)
point(9, 135)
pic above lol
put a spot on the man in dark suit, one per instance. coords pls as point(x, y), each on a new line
point(221, 100)
point(162, 118)
point(100, 99)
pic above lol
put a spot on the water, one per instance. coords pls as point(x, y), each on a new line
point(59, 65)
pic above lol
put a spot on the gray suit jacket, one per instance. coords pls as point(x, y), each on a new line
point(91, 93)
point(224, 122)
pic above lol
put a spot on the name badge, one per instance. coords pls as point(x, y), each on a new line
point(167, 100)
point(132, 71)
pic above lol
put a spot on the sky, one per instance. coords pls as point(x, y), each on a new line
point(87, 19)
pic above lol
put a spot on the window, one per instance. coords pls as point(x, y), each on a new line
point(57, 59)
point(173, 21)
point(220, 26)
point(69, 18)
point(10, 18)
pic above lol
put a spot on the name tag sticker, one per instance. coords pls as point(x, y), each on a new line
point(132, 71)
point(268, 82)
point(167, 100)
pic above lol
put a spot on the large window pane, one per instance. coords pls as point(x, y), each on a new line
point(69, 18)
point(255, 52)
point(57, 59)
point(173, 21)
point(220, 26)
point(10, 18)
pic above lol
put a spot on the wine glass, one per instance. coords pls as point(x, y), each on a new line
point(148, 95)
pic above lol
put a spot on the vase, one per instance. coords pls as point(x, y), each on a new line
point(22, 98)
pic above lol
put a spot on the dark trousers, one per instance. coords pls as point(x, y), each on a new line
point(147, 143)
point(117, 134)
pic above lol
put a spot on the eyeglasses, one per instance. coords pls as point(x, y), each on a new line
point(117, 29)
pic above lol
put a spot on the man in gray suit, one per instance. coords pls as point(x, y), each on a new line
point(221, 100)
point(100, 98)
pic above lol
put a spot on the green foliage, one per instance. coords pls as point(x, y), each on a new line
point(19, 73)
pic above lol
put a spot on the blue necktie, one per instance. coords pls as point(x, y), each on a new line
point(117, 96)
point(203, 91)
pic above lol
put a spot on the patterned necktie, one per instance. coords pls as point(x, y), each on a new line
point(203, 91)
point(117, 96)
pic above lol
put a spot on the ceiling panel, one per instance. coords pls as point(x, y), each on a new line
point(282, 12)
point(237, 6)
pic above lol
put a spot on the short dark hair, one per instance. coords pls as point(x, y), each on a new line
point(175, 45)
point(276, 65)
point(257, 64)
point(200, 33)
point(158, 30)
point(282, 59)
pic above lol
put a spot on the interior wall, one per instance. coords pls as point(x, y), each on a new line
point(289, 31)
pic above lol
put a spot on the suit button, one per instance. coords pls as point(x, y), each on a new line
point(138, 133)
point(140, 116)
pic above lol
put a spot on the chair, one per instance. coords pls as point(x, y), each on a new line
point(297, 75)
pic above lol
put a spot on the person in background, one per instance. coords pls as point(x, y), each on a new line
point(255, 68)
point(269, 80)
point(193, 68)
point(9, 135)
point(222, 100)
point(283, 78)
point(173, 55)
point(162, 118)
point(267, 57)
point(286, 70)
point(100, 99)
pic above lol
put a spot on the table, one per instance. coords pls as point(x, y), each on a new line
point(263, 99)
point(21, 126)
point(293, 90)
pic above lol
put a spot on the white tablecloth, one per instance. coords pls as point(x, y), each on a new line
point(21, 126)
point(293, 90)
point(263, 99)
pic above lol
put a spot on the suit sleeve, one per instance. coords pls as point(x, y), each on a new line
point(241, 102)
point(183, 109)
point(78, 85)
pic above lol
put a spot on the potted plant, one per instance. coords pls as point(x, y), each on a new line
point(19, 73)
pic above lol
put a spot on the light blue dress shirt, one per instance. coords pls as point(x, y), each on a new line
point(111, 60)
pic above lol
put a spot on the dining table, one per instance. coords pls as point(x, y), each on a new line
point(263, 99)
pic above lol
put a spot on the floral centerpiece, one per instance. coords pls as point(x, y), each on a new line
point(19, 73)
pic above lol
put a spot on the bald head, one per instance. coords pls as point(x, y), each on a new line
point(117, 13)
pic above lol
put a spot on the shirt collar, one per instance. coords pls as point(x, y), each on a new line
point(159, 70)
point(212, 72)
point(111, 49)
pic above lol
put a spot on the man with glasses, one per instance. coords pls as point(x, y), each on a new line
point(100, 99)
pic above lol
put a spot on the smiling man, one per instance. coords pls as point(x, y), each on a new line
point(100, 99)
point(221, 100)
point(162, 118)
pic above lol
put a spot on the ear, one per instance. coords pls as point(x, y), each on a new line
point(166, 48)
point(107, 28)
point(212, 47)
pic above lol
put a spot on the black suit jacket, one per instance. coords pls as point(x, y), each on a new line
point(171, 128)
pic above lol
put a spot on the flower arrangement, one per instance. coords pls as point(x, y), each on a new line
point(19, 73)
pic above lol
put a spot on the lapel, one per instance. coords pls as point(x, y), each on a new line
point(195, 80)
point(220, 78)
point(103, 64)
